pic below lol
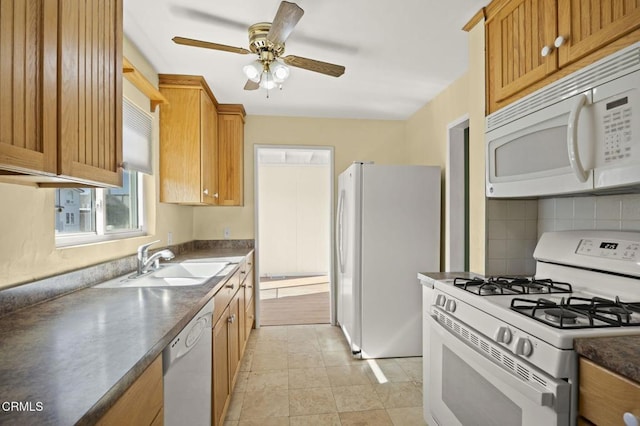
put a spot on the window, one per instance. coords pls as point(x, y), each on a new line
point(86, 215)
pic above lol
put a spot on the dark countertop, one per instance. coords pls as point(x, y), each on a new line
point(620, 354)
point(74, 356)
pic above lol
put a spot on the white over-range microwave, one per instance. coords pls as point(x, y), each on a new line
point(579, 134)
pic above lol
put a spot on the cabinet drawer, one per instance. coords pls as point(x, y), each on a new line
point(225, 294)
point(606, 396)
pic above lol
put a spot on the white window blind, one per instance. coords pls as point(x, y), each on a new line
point(137, 127)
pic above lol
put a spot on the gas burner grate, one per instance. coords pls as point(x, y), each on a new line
point(579, 312)
point(503, 285)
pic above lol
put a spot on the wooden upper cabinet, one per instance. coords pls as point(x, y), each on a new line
point(515, 36)
point(28, 70)
point(587, 25)
point(90, 100)
point(188, 141)
point(518, 30)
point(231, 154)
point(61, 90)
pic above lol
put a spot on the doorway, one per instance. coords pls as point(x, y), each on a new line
point(457, 196)
point(294, 204)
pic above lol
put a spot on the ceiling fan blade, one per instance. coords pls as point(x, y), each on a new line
point(313, 65)
point(286, 19)
point(210, 18)
point(251, 85)
point(210, 45)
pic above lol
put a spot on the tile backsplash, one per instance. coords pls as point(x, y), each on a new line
point(606, 212)
point(514, 226)
point(512, 232)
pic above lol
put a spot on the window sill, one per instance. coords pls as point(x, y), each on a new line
point(86, 239)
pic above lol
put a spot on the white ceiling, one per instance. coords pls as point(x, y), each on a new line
point(398, 54)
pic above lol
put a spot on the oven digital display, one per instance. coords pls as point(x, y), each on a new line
point(608, 246)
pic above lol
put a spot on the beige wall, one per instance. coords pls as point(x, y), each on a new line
point(27, 239)
point(427, 140)
point(374, 140)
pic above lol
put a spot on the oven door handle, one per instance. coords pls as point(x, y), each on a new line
point(488, 368)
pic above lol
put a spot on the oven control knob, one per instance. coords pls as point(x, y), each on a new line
point(441, 300)
point(503, 335)
point(451, 306)
point(524, 346)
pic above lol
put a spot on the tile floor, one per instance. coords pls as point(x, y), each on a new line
point(304, 375)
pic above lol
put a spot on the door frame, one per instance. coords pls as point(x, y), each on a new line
point(256, 217)
point(455, 238)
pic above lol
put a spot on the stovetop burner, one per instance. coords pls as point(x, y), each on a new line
point(560, 316)
point(511, 286)
point(580, 312)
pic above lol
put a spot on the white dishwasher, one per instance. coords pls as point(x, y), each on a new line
point(186, 364)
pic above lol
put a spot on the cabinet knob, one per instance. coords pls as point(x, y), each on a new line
point(546, 51)
point(215, 195)
point(630, 419)
point(231, 319)
point(205, 192)
point(229, 285)
point(559, 41)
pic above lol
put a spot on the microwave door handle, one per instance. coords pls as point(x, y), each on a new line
point(572, 139)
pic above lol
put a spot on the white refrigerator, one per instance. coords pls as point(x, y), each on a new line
point(387, 230)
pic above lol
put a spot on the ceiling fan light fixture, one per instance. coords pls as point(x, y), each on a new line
point(279, 71)
point(253, 71)
point(267, 81)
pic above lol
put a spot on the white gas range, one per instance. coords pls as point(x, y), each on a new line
point(499, 350)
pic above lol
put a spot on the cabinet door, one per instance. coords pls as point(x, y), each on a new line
point(180, 146)
point(516, 35)
point(141, 404)
point(249, 317)
point(220, 368)
point(209, 149)
point(231, 158)
point(90, 90)
point(234, 336)
point(28, 88)
point(587, 25)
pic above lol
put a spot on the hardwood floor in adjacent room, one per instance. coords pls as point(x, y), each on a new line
point(297, 300)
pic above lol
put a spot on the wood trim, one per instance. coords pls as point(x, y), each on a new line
point(232, 109)
point(136, 78)
point(493, 8)
point(475, 19)
point(182, 80)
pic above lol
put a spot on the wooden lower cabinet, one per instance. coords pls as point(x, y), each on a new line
point(605, 396)
point(220, 369)
point(230, 334)
point(234, 337)
point(142, 403)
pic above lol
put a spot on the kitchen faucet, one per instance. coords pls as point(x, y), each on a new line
point(146, 262)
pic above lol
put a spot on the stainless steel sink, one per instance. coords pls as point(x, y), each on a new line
point(171, 275)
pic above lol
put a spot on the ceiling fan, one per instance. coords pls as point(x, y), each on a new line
point(267, 40)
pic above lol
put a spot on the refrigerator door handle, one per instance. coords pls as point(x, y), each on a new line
point(340, 231)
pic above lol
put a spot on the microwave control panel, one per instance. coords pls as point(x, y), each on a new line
point(617, 130)
point(611, 249)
